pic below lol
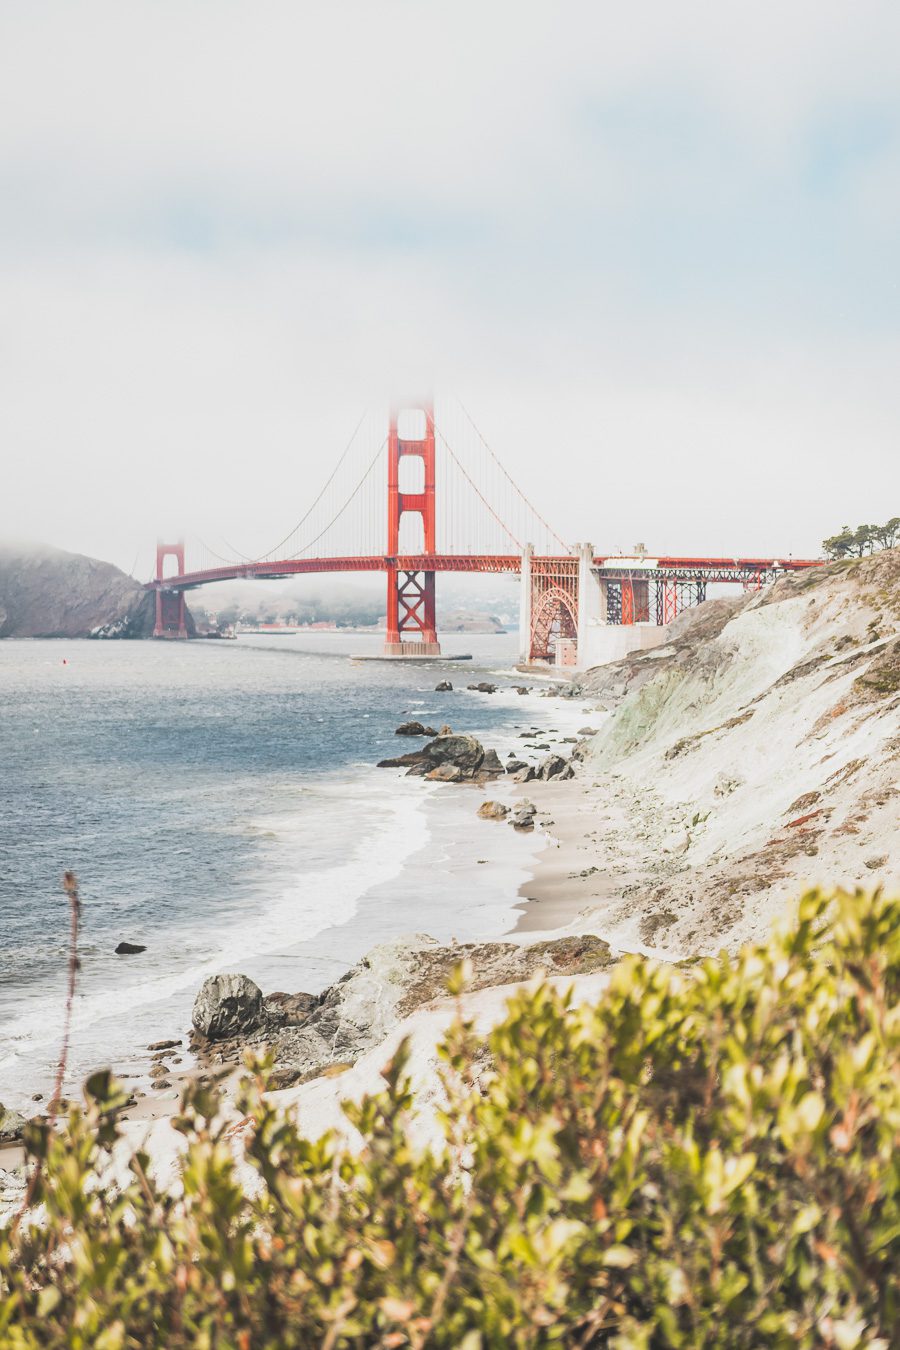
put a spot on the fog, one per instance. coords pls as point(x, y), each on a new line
point(653, 250)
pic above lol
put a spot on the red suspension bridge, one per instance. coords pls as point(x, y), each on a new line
point(449, 505)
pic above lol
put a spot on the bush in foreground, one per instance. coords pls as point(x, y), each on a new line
point(708, 1158)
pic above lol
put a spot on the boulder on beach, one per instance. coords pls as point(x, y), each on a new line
point(490, 765)
point(464, 755)
point(445, 773)
point(443, 687)
point(288, 1010)
point(513, 765)
point(482, 688)
point(551, 767)
point(522, 817)
point(414, 729)
point(12, 1123)
point(493, 811)
point(129, 949)
point(227, 1005)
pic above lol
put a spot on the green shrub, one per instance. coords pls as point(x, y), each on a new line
point(707, 1158)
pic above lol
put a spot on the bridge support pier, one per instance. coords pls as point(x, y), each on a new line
point(170, 607)
point(411, 595)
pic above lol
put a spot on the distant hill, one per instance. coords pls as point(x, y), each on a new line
point(45, 592)
point(468, 621)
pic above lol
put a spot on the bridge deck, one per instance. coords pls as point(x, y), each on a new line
point(677, 568)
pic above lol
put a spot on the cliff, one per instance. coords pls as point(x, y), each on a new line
point(754, 754)
point(45, 592)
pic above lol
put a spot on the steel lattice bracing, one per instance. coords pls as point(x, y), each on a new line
point(554, 604)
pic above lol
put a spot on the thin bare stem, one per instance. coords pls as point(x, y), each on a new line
point(70, 886)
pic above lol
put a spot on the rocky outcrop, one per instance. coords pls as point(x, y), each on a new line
point(226, 1006)
point(288, 1010)
point(443, 687)
point(45, 592)
point(449, 759)
point(414, 729)
point(394, 979)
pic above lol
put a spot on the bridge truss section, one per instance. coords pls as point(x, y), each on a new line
point(554, 605)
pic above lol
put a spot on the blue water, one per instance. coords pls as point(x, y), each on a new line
point(219, 804)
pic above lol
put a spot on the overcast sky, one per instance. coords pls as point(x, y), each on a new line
point(653, 247)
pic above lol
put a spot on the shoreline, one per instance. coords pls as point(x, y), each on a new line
point(486, 862)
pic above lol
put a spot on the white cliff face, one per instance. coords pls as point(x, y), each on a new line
point(755, 755)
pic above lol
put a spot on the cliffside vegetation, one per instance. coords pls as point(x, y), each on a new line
point(707, 1158)
point(864, 539)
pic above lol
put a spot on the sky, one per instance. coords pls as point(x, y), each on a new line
point(653, 249)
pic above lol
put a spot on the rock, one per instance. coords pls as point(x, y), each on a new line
point(493, 811)
point(402, 761)
point(551, 767)
point(161, 1084)
point(875, 864)
point(394, 979)
point(160, 1071)
point(288, 1010)
point(490, 766)
point(588, 731)
point(482, 688)
point(443, 687)
point(414, 729)
point(567, 771)
point(129, 949)
point(513, 765)
point(445, 773)
point(226, 1006)
point(163, 1045)
point(12, 1123)
point(465, 752)
point(457, 757)
point(522, 817)
point(37, 1096)
point(445, 730)
point(525, 774)
point(522, 689)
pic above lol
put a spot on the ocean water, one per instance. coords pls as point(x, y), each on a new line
point(219, 804)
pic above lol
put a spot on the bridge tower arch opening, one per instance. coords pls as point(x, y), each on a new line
point(411, 618)
point(553, 605)
point(170, 609)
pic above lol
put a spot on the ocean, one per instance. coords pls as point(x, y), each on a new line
point(219, 804)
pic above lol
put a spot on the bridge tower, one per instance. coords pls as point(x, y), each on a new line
point(410, 595)
point(170, 609)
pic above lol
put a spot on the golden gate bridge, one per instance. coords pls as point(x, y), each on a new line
point(423, 496)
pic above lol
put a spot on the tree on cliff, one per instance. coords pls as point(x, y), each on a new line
point(864, 539)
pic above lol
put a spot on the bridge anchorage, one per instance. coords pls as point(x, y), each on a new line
point(452, 507)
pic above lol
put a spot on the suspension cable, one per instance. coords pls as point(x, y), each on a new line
point(478, 491)
point(549, 528)
point(341, 511)
point(330, 480)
